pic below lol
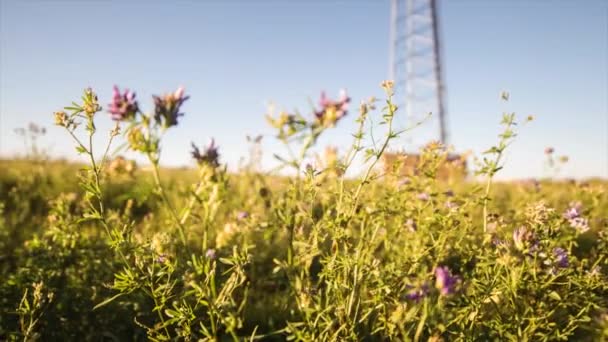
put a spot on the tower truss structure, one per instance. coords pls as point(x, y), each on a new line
point(415, 62)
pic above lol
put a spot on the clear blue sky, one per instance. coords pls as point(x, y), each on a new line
point(233, 56)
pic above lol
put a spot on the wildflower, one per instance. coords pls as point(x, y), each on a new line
point(136, 139)
point(388, 85)
point(210, 155)
point(499, 243)
point(573, 211)
point(418, 293)
point(61, 118)
point(121, 166)
point(579, 223)
point(561, 257)
point(410, 224)
point(549, 150)
point(90, 105)
point(451, 205)
point(563, 159)
point(161, 258)
point(423, 196)
point(210, 254)
point(242, 215)
point(522, 238)
point(167, 107)
point(332, 111)
point(123, 106)
point(445, 281)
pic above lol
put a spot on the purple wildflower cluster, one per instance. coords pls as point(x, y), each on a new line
point(123, 106)
point(574, 216)
point(445, 281)
point(332, 111)
point(210, 155)
point(561, 257)
point(417, 293)
point(167, 107)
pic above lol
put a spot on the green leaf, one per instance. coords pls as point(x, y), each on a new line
point(555, 295)
point(80, 149)
point(108, 301)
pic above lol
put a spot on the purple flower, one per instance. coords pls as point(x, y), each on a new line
point(161, 258)
point(210, 155)
point(417, 293)
point(445, 281)
point(581, 224)
point(210, 254)
point(423, 196)
point(166, 110)
point(332, 111)
point(561, 257)
point(574, 211)
point(123, 106)
point(242, 215)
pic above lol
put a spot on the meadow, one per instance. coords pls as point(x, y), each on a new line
point(112, 251)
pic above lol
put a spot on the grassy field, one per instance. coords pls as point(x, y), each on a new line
point(106, 251)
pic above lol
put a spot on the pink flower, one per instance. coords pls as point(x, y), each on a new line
point(123, 106)
point(332, 111)
point(445, 281)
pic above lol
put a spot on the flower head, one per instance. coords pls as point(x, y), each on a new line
point(561, 257)
point(242, 215)
point(549, 150)
point(388, 86)
point(61, 118)
point(166, 110)
point(161, 259)
point(332, 111)
point(579, 223)
point(522, 238)
point(210, 254)
point(210, 155)
point(123, 106)
point(445, 281)
point(417, 293)
point(423, 196)
point(573, 211)
point(411, 226)
point(451, 205)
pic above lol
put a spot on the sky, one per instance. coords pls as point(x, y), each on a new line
point(234, 57)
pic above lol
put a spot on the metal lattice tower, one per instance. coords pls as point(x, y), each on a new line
point(415, 61)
